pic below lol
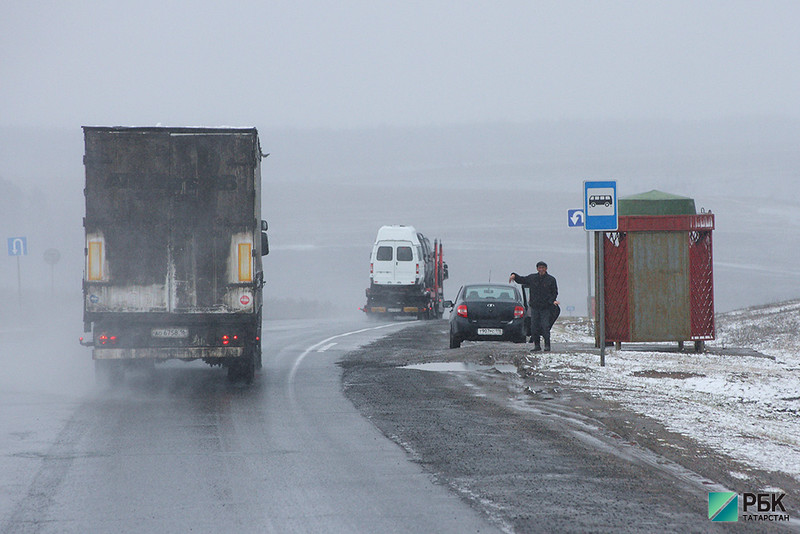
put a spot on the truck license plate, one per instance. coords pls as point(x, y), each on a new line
point(490, 331)
point(170, 332)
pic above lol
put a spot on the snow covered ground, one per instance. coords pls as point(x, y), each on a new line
point(745, 405)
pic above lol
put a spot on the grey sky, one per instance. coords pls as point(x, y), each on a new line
point(354, 63)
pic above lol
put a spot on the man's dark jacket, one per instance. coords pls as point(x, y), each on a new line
point(544, 289)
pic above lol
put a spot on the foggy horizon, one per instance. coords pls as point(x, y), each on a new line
point(476, 123)
point(357, 64)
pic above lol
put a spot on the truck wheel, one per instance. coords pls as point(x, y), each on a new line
point(243, 369)
point(109, 372)
point(233, 371)
point(249, 369)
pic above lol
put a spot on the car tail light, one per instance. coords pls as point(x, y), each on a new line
point(226, 340)
point(371, 268)
point(461, 311)
point(519, 311)
point(418, 269)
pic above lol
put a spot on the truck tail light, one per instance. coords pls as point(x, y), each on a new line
point(371, 268)
point(519, 311)
point(229, 339)
point(418, 269)
point(105, 339)
point(461, 311)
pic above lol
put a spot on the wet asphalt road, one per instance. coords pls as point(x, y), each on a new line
point(182, 450)
point(334, 436)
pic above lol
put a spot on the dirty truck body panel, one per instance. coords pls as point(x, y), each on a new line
point(173, 243)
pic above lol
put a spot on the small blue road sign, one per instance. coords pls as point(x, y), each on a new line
point(600, 205)
point(17, 246)
point(575, 217)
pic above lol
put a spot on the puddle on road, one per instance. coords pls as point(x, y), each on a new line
point(447, 367)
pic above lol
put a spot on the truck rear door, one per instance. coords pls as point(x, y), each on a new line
point(394, 262)
point(212, 224)
point(170, 221)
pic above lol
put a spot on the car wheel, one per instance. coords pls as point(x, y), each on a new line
point(455, 342)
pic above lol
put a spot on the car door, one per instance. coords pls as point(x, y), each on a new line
point(383, 263)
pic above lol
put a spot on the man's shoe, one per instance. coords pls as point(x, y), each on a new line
point(547, 348)
point(537, 348)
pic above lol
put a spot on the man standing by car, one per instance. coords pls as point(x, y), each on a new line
point(544, 291)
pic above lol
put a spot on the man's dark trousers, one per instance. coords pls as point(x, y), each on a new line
point(540, 325)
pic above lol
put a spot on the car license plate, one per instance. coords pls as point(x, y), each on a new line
point(490, 331)
point(394, 310)
point(170, 332)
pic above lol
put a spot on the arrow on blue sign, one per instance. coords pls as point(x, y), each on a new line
point(17, 246)
point(575, 217)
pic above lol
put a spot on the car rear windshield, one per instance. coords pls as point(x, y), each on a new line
point(404, 254)
point(384, 254)
point(490, 293)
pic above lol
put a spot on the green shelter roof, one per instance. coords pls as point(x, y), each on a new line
point(656, 203)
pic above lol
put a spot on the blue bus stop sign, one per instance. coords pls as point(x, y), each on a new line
point(600, 205)
point(17, 246)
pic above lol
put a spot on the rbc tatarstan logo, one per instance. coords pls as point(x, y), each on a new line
point(724, 506)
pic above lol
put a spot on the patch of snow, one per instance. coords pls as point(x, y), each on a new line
point(747, 407)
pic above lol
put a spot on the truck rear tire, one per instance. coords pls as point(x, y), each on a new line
point(109, 372)
point(243, 369)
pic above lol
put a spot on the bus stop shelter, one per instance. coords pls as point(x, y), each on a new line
point(659, 283)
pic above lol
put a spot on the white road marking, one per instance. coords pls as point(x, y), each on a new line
point(326, 347)
point(315, 346)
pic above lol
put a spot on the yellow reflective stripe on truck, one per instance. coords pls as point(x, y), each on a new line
point(245, 262)
point(94, 267)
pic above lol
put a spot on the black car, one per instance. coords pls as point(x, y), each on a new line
point(487, 312)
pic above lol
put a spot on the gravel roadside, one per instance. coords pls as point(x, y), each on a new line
point(532, 454)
